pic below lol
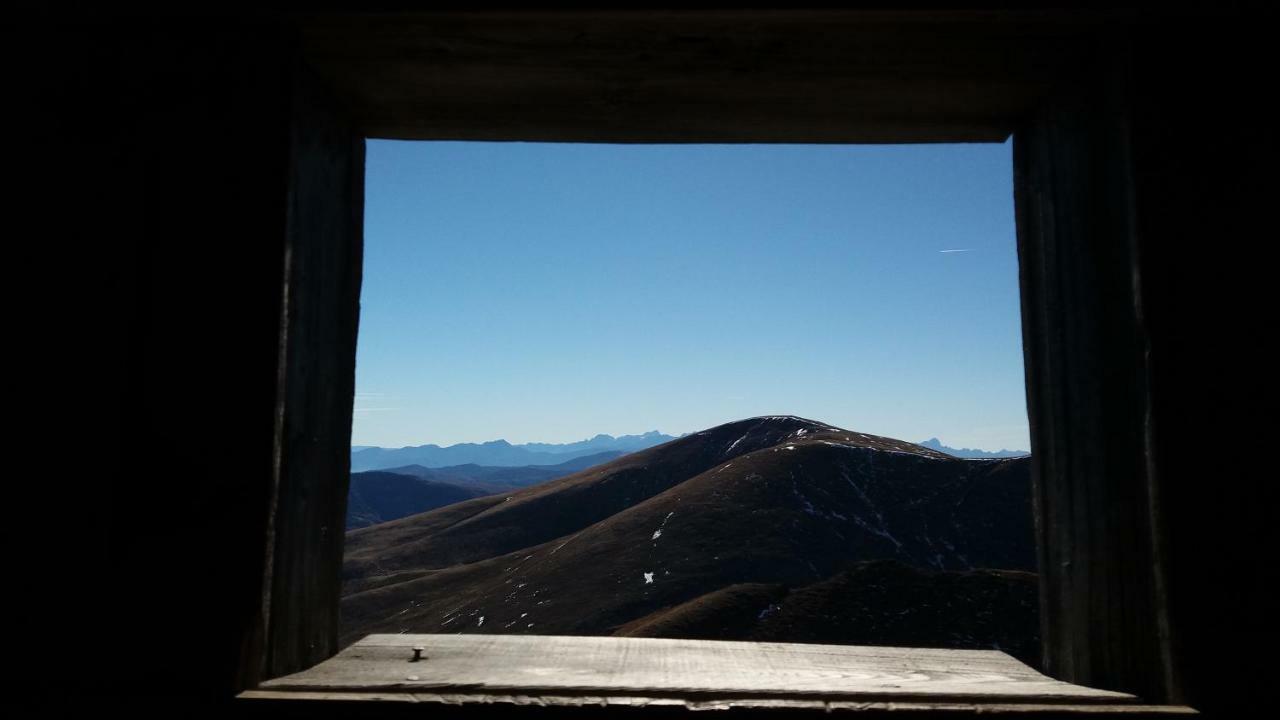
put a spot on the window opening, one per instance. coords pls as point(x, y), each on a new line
point(692, 391)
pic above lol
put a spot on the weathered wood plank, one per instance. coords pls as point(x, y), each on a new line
point(684, 669)
point(740, 704)
point(321, 282)
point(832, 76)
point(1103, 612)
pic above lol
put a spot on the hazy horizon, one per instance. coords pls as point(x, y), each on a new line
point(551, 292)
point(663, 432)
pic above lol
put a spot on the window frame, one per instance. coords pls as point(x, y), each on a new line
point(1104, 616)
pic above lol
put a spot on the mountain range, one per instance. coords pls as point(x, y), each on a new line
point(499, 453)
point(377, 496)
point(973, 453)
point(775, 528)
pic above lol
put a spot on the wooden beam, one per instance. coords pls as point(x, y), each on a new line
point(692, 77)
point(1103, 606)
point(324, 234)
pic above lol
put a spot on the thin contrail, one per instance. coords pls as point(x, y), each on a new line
point(957, 250)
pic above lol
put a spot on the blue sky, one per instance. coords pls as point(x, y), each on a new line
point(549, 292)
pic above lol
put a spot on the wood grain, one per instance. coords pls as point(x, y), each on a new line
point(1103, 601)
point(496, 702)
point(833, 76)
point(324, 230)
point(687, 670)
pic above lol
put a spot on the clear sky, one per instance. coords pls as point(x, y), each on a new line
point(550, 292)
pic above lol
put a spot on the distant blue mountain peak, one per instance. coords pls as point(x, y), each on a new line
point(936, 444)
point(499, 453)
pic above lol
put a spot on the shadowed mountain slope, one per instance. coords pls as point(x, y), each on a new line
point(501, 478)
point(378, 496)
point(778, 500)
point(881, 602)
point(888, 603)
point(730, 613)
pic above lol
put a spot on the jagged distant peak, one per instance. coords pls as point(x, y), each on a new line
point(500, 452)
point(971, 453)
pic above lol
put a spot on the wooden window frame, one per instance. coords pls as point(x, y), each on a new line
point(1104, 615)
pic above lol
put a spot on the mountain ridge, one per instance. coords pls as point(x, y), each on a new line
point(378, 496)
point(499, 453)
point(971, 453)
point(774, 500)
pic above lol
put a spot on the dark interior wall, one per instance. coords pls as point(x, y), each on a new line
point(204, 347)
point(1204, 145)
point(155, 191)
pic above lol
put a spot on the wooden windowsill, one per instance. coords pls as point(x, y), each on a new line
point(557, 671)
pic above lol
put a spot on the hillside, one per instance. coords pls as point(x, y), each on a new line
point(378, 496)
point(502, 478)
point(873, 603)
point(767, 501)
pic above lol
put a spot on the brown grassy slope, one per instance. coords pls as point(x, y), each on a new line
point(888, 603)
point(376, 497)
point(730, 613)
point(569, 504)
point(873, 603)
point(791, 512)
